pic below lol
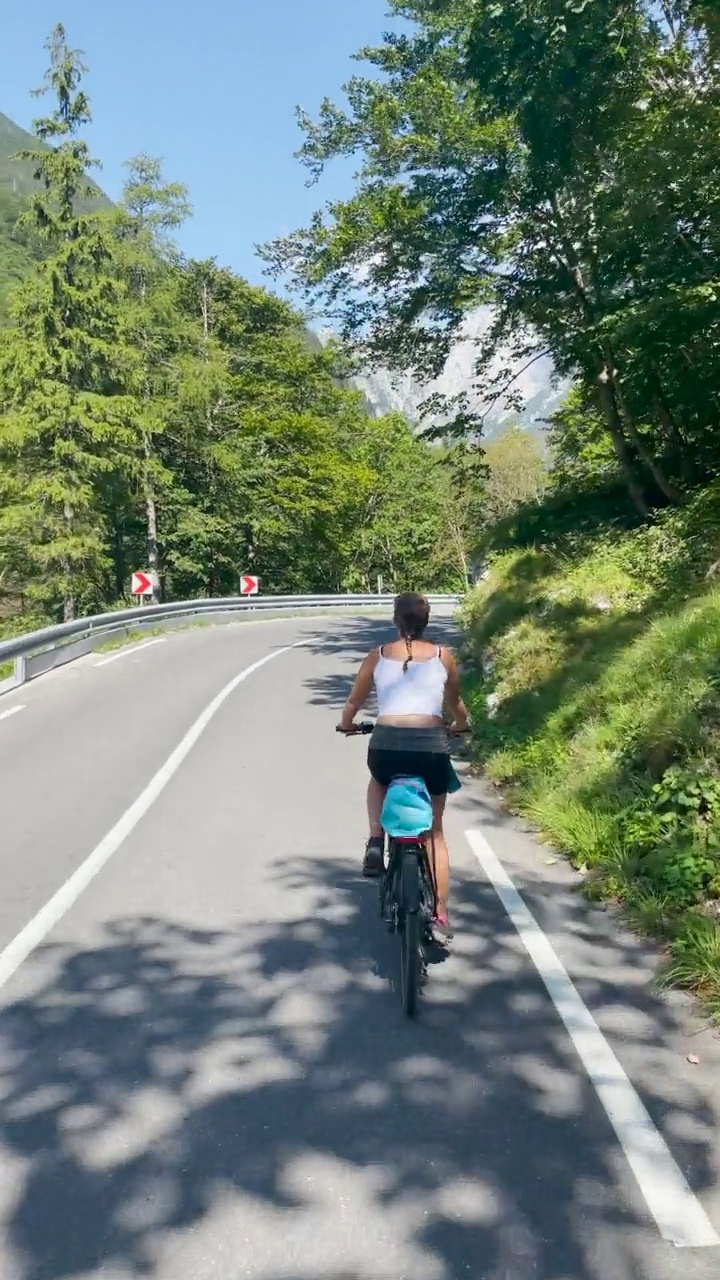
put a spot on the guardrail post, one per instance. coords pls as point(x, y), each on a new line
point(20, 670)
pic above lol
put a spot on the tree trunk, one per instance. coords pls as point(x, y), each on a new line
point(69, 603)
point(250, 550)
point(613, 422)
point(457, 537)
point(153, 558)
point(617, 410)
point(672, 432)
point(118, 558)
point(666, 487)
point(152, 546)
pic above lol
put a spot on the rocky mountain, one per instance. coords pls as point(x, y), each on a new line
point(541, 393)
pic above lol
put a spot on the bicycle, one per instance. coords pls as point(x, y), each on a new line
point(408, 893)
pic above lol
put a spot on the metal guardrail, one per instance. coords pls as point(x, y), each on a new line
point(41, 651)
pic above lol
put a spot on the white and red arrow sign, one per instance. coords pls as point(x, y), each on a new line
point(249, 585)
point(141, 584)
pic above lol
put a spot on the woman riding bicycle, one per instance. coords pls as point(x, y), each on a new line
point(414, 681)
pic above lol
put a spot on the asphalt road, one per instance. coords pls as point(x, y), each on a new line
point(205, 1073)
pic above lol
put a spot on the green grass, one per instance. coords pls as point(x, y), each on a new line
point(599, 672)
point(130, 637)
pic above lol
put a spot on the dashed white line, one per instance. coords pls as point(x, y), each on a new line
point(32, 935)
point(133, 648)
point(4, 715)
point(678, 1213)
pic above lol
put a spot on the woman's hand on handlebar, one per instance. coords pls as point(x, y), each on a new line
point(457, 730)
point(350, 731)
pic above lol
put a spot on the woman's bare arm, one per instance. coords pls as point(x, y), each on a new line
point(453, 697)
point(360, 692)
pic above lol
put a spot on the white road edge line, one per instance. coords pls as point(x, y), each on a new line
point(133, 648)
point(33, 934)
point(678, 1213)
point(4, 715)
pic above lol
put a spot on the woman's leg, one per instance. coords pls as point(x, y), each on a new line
point(374, 860)
point(375, 799)
point(441, 857)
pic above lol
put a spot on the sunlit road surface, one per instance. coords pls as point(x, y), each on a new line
point(205, 1072)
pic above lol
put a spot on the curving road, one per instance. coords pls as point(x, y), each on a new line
point(204, 1069)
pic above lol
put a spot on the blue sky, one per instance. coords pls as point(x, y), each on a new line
point(212, 88)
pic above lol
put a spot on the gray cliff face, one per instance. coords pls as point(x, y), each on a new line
point(387, 392)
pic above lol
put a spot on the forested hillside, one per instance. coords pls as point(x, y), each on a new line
point(163, 414)
point(17, 186)
point(559, 161)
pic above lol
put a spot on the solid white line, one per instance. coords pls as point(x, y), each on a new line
point(12, 711)
point(133, 648)
point(32, 935)
point(679, 1215)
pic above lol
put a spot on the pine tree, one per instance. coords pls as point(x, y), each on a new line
point(66, 425)
point(150, 210)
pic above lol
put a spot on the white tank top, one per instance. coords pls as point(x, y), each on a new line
point(419, 691)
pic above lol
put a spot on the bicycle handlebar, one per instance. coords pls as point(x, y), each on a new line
point(367, 726)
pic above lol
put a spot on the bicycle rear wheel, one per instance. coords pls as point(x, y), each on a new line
point(410, 966)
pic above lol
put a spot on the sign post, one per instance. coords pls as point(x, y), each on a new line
point(141, 586)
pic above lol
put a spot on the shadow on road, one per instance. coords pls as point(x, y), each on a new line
point(349, 644)
point(168, 1075)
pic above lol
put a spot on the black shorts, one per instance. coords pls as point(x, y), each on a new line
point(432, 767)
point(411, 752)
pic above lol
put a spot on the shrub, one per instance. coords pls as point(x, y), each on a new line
point(594, 697)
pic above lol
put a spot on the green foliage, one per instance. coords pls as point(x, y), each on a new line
point(66, 424)
point(675, 834)
point(558, 160)
point(18, 183)
point(516, 477)
point(695, 957)
point(582, 454)
point(596, 707)
point(15, 254)
point(162, 413)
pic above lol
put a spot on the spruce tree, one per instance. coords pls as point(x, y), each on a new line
point(67, 426)
point(150, 210)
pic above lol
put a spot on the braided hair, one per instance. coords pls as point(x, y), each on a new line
point(412, 614)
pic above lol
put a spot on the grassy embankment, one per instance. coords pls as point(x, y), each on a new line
point(596, 675)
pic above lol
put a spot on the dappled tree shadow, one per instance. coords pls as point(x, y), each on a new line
point(585, 643)
point(350, 644)
point(167, 1074)
point(581, 655)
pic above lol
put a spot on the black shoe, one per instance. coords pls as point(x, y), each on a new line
point(374, 860)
